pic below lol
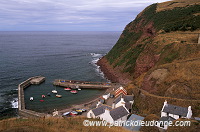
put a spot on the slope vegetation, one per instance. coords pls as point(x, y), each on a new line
point(159, 53)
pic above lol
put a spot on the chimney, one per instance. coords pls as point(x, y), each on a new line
point(98, 103)
point(165, 103)
point(107, 111)
point(122, 99)
point(189, 108)
point(189, 114)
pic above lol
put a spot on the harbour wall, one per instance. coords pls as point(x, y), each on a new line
point(22, 111)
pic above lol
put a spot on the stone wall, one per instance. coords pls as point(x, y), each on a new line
point(22, 111)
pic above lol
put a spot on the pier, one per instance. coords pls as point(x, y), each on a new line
point(83, 84)
point(21, 103)
point(22, 111)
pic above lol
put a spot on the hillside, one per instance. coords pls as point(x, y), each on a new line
point(74, 124)
point(158, 55)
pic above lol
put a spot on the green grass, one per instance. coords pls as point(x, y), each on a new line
point(177, 19)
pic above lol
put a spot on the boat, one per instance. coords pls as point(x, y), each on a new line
point(79, 89)
point(31, 98)
point(67, 89)
point(48, 94)
point(59, 96)
point(41, 100)
point(54, 91)
point(66, 113)
point(43, 96)
point(73, 113)
point(74, 91)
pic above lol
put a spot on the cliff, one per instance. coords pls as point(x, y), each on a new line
point(158, 53)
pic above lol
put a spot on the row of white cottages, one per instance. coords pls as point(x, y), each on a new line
point(122, 107)
point(119, 110)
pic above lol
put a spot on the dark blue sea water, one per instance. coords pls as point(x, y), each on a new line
point(55, 55)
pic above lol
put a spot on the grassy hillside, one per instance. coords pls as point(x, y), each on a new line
point(159, 51)
point(140, 33)
point(52, 125)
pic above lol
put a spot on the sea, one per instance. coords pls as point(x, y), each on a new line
point(54, 55)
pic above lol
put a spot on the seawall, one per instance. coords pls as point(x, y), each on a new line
point(22, 111)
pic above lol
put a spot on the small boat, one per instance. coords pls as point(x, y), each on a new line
point(74, 91)
point(59, 96)
point(79, 111)
point(54, 91)
point(66, 113)
point(73, 113)
point(79, 89)
point(48, 94)
point(41, 100)
point(67, 89)
point(43, 96)
point(31, 98)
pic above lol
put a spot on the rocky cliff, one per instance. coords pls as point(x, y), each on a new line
point(159, 53)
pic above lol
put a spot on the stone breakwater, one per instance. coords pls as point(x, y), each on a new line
point(22, 111)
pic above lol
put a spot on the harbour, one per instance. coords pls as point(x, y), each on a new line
point(71, 84)
point(54, 55)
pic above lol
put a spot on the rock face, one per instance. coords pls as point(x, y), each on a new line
point(159, 51)
point(113, 74)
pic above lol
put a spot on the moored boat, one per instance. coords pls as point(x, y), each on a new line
point(73, 113)
point(67, 89)
point(79, 89)
point(31, 98)
point(43, 96)
point(74, 91)
point(58, 95)
point(54, 91)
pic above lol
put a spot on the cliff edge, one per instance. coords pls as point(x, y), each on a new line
point(159, 53)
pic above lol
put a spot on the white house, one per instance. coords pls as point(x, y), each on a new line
point(176, 111)
point(123, 99)
point(106, 96)
point(97, 112)
point(171, 112)
point(108, 114)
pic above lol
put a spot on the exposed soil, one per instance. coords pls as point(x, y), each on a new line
point(111, 74)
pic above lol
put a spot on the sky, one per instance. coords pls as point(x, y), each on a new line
point(69, 15)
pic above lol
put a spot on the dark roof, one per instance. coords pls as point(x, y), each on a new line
point(168, 118)
point(127, 98)
point(135, 118)
point(117, 100)
point(177, 110)
point(197, 118)
point(101, 109)
point(118, 112)
point(128, 105)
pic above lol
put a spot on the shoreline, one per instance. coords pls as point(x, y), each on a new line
point(112, 74)
point(85, 104)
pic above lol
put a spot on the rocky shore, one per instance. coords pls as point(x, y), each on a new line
point(113, 74)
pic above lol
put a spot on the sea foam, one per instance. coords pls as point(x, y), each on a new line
point(14, 103)
point(95, 59)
